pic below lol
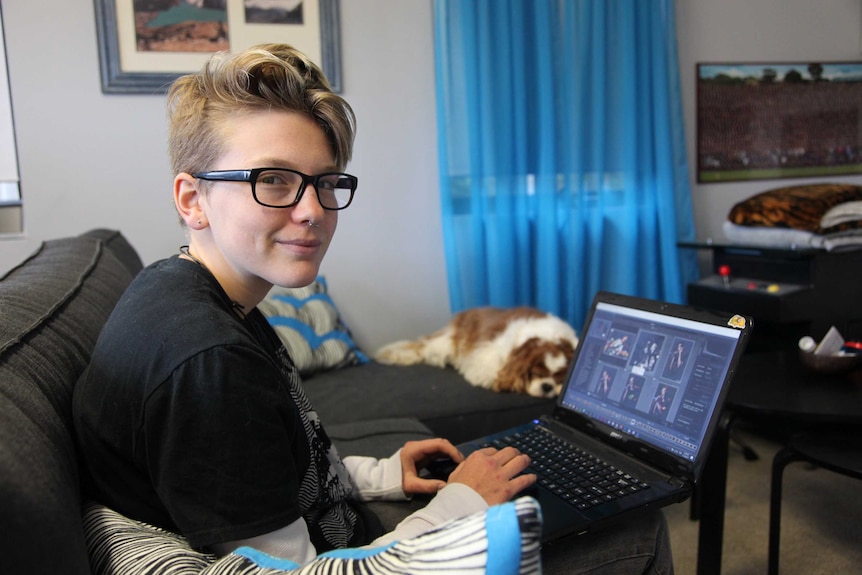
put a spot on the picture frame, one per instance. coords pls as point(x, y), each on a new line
point(125, 70)
point(768, 120)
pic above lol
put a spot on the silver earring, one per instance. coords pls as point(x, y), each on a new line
point(311, 224)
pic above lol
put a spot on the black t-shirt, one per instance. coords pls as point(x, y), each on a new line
point(191, 417)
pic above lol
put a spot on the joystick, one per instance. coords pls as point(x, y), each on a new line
point(724, 272)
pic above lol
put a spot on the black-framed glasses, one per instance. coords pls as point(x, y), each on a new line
point(283, 188)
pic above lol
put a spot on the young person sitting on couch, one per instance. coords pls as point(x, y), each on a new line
point(191, 415)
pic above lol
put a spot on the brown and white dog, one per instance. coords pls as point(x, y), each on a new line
point(521, 350)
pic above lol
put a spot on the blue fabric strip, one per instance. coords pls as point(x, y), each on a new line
point(299, 302)
point(504, 540)
point(265, 560)
point(356, 553)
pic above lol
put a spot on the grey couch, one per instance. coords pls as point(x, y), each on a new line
point(52, 308)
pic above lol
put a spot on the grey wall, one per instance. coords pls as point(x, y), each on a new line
point(88, 160)
point(756, 31)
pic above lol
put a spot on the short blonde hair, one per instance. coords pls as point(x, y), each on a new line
point(264, 77)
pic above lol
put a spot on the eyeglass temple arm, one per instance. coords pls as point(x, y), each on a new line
point(225, 175)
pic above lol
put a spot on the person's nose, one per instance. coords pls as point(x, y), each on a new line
point(308, 209)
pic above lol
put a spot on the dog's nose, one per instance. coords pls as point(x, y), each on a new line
point(547, 388)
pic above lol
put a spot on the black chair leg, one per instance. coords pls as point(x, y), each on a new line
point(779, 462)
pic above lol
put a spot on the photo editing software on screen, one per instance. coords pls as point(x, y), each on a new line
point(651, 376)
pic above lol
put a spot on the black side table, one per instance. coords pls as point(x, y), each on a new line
point(771, 388)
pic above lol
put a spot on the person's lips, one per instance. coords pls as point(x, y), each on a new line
point(301, 246)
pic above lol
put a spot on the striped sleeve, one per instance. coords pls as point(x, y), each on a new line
point(504, 540)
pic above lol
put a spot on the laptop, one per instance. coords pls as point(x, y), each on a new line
point(643, 394)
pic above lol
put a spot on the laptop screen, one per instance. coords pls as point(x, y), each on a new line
point(649, 376)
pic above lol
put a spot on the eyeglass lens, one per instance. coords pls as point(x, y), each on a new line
point(279, 188)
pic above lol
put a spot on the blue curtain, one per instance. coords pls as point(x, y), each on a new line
point(562, 153)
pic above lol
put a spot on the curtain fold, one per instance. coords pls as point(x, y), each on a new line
point(562, 152)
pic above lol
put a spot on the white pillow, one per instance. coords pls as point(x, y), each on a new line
point(311, 328)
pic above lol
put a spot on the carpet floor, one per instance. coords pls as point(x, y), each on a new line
point(821, 523)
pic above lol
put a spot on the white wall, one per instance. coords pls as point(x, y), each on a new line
point(88, 160)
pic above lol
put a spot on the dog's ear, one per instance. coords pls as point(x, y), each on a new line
point(567, 349)
point(515, 374)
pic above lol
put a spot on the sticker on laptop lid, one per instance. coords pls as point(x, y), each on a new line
point(737, 321)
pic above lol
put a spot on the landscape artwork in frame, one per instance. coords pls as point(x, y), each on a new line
point(789, 120)
point(144, 45)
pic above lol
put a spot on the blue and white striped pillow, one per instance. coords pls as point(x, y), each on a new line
point(505, 540)
point(311, 328)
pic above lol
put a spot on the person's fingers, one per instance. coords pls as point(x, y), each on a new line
point(415, 455)
point(421, 486)
point(496, 475)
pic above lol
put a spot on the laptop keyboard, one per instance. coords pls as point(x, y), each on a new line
point(581, 479)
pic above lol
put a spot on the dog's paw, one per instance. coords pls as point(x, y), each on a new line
point(399, 353)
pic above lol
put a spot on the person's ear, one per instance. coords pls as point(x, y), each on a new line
point(188, 199)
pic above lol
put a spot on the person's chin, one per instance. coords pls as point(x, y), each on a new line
point(297, 275)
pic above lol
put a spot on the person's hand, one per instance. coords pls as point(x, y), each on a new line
point(415, 455)
point(495, 475)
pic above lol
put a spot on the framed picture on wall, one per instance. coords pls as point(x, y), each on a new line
point(144, 45)
point(778, 120)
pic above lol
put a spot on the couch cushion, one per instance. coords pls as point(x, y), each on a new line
point(440, 398)
point(52, 308)
point(381, 438)
point(378, 437)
